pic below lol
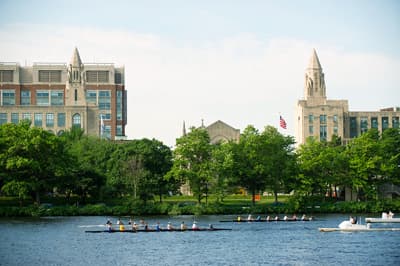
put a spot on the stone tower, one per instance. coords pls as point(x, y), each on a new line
point(75, 94)
point(314, 85)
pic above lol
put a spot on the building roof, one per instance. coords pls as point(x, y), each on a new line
point(314, 61)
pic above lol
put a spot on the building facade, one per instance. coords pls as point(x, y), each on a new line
point(321, 118)
point(57, 96)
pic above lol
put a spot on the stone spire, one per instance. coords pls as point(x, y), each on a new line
point(314, 85)
point(76, 59)
point(314, 61)
point(184, 129)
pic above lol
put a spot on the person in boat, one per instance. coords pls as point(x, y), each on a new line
point(304, 217)
point(109, 225)
point(183, 226)
point(195, 226)
point(210, 226)
point(353, 220)
point(134, 227)
point(239, 218)
point(294, 217)
point(285, 218)
point(121, 225)
point(258, 218)
point(249, 218)
point(146, 226)
point(268, 218)
point(277, 218)
point(158, 228)
point(390, 215)
point(169, 226)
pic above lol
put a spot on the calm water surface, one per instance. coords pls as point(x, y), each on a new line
point(62, 241)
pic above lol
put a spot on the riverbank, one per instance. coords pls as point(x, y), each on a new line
point(191, 208)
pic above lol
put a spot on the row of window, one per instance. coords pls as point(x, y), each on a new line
point(374, 124)
point(322, 119)
point(38, 119)
point(102, 98)
point(48, 120)
point(323, 131)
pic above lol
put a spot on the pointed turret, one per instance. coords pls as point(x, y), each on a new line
point(314, 61)
point(184, 129)
point(314, 86)
point(76, 59)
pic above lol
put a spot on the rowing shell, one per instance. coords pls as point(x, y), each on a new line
point(382, 220)
point(357, 229)
point(161, 230)
point(266, 221)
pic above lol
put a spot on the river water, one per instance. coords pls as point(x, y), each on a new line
point(63, 241)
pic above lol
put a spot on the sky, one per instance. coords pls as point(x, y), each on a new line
point(242, 62)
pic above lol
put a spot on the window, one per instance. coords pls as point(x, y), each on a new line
point(363, 124)
point(374, 122)
point(106, 116)
point(97, 76)
point(76, 95)
point(336, 130)
point(6, 75)
point(25, 98)
point(322, 119)
point(14, 118)
point(118, 78)
point(107, 132)
point(353, 127)
point(3, 118)
point(119, 105)
point(385, 123)
point(61, 119)
point(104, 100)
point(335, 118)
point(91, 96)
point(49, 120)
point(26, 116)
point(8, 97)
point(395, 122)
point(49, 75)
point(38, 122)
point(42, 98)
point(311, 130)
point(310, 118)
point(322, 133)
point(76, 120)
point(119, 130)
point(57, 98)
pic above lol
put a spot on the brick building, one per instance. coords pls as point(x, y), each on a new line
point(58, 96)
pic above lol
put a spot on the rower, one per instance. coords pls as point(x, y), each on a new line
point(169, 226)
point(158, 227)
point(249, 218)
point(210, 227)
point(183, 226)
point(121, 226)
point(134, 226)
point(194, 226)
point(239, 218)
point(109, 225)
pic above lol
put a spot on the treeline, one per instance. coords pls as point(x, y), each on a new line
point(35, 164)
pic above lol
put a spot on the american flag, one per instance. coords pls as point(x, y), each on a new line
point(282, 122)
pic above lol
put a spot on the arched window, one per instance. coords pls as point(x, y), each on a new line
point(76, 120)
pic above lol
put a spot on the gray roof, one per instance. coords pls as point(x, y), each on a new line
point(314, 61)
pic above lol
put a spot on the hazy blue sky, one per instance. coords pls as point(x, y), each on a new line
point(241, 62)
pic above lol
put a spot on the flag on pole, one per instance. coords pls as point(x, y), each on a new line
point(282, 122)
point(101, 125)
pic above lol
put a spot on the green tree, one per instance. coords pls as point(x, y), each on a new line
point(279, 160)
point(365, 163)
point(192, 158)
point(249, 162)
point(32, 155)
